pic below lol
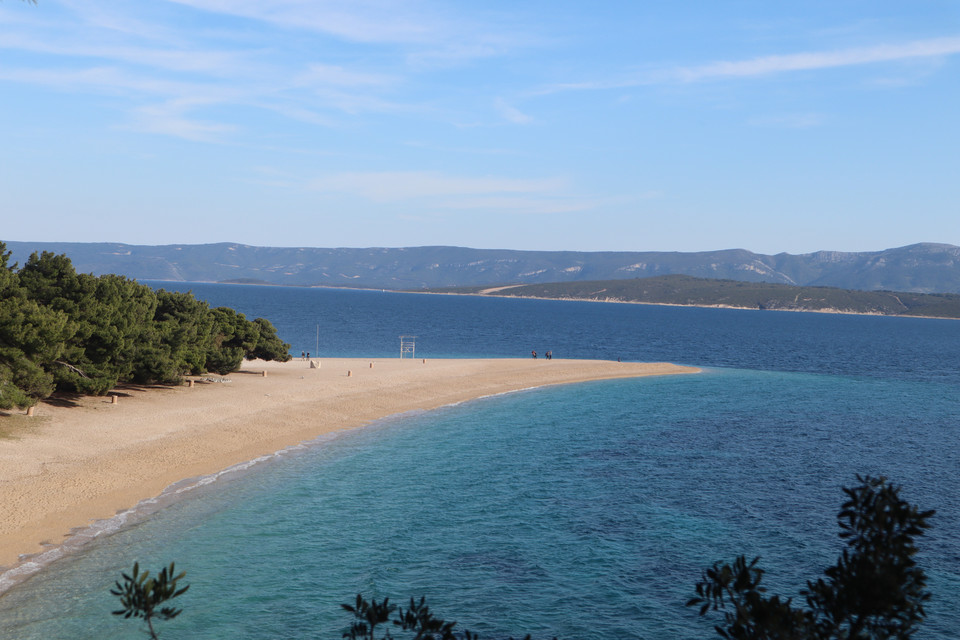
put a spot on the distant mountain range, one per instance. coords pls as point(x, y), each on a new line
point(925, 267)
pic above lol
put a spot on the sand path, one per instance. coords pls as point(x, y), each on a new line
point(70, 465)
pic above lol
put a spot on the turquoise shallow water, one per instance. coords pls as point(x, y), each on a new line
point(584, 511)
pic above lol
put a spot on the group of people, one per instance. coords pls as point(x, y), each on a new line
point(304, 355)
point(548, 355)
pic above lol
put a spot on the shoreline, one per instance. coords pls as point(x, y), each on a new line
point(830, 311)
point(79, 464)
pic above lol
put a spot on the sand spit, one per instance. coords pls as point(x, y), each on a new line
point(69, 466)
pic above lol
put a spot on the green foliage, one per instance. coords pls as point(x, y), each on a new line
point(85, 366)
point(754, 615)
point(232, 338)
point(144, 597)
point(269, 346)
point(875, 590)
point(64, 331)
point(235, 338)
point(417, 621)
point(184, 326)
point(31, 337)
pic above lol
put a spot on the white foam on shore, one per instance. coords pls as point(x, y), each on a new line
point(80, 537)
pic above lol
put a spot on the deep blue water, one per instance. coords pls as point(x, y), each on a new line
point(369, 323)
point(584, 511)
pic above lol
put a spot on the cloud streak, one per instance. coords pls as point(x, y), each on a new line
point(391, 186)
point(366, 21)
point(511, 113)
point(768, 65)
point(433, 193)
point(431, 33)
point(267, 67)
point(789, 121)
point(774, 64)
point(170, 119)
point(225, 63)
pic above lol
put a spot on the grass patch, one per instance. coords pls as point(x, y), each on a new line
point(13, 425)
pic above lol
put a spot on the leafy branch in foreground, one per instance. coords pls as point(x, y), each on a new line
point(874, 591)
point(140, 595)
point(417, 620)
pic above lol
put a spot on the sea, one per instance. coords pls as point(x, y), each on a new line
point(578, 511)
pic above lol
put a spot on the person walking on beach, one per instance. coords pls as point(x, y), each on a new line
point(534, 354)
point(303, 355)
point(548, 355)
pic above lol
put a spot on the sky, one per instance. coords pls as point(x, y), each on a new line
point(591, 126)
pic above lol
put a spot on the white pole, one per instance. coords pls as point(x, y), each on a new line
point(317, 352)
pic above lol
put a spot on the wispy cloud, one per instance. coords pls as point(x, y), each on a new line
point(511, 113)
point(366, 21)
point(433, 193)
point(333, 75)
point(424, 34)
point(171, 119)
point(516, 205)
point(189, 60)
point(122, 56)
point(110, 17)
point(435, 34)
point(391, 186)
point(109, 80)
point(789, 120)
point(772, 65)
point(767, 65)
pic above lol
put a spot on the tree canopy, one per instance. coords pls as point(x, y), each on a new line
point(66, 331)
point(875, 591)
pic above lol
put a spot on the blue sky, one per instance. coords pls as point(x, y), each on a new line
point(669, 126)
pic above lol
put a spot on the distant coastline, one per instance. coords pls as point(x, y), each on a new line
point(688, 291)
point(491, 292)
point(668, 304)
point(674, 304)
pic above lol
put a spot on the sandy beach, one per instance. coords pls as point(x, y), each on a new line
point(80, 461)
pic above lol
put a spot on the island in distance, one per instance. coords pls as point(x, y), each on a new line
point(702, 292)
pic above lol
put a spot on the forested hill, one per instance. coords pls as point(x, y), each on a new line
point(926, 268)
point(686, 290)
